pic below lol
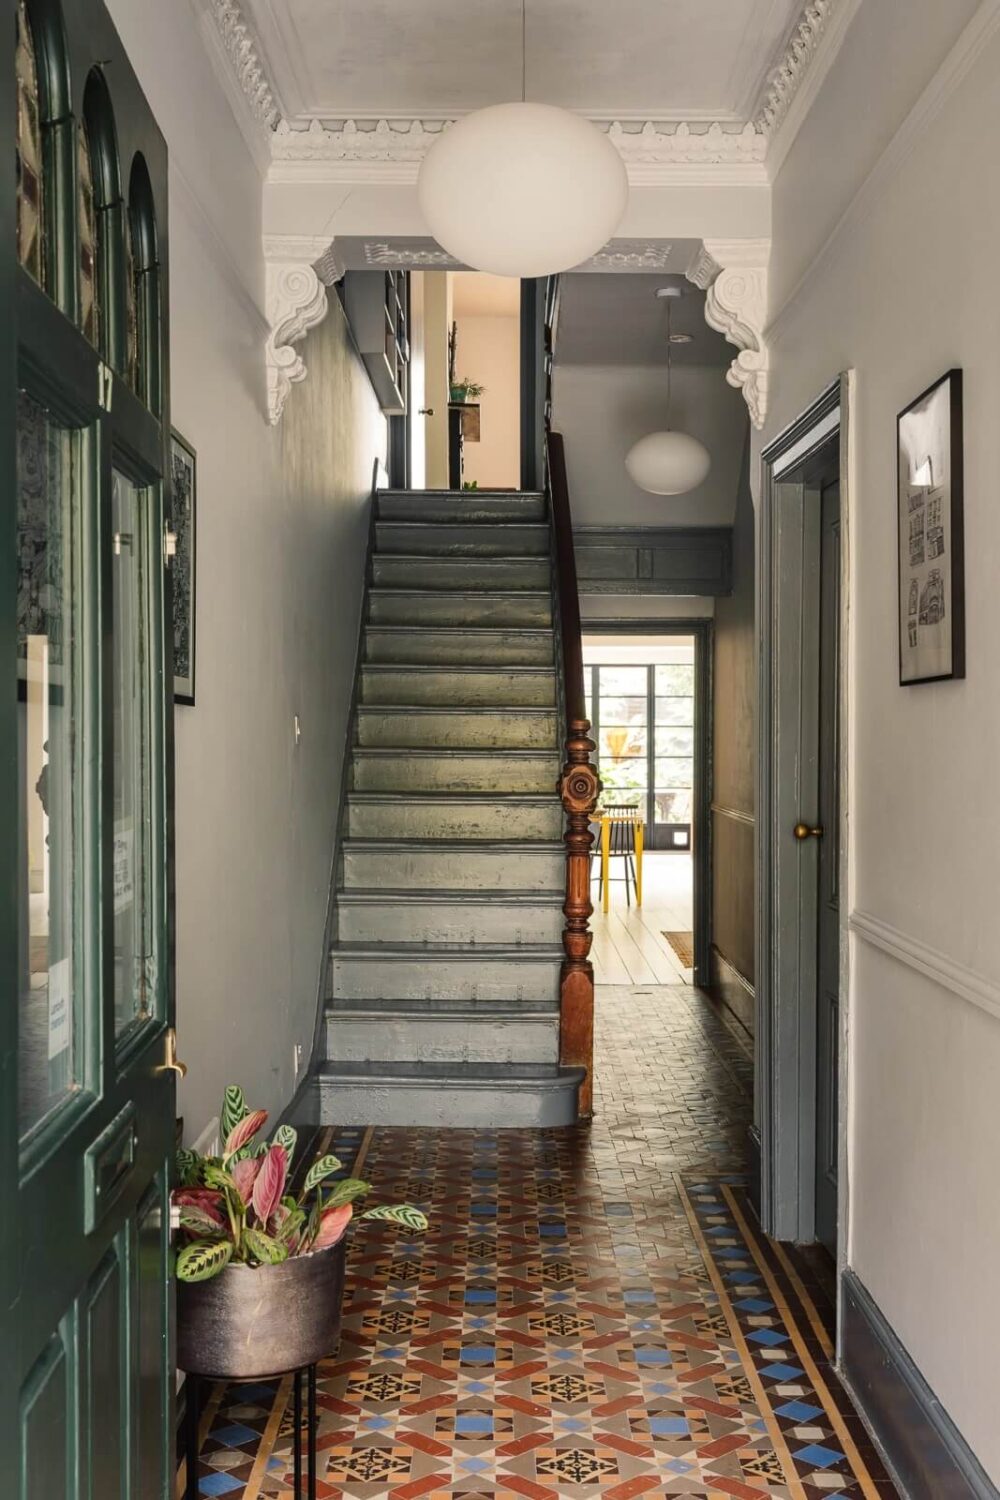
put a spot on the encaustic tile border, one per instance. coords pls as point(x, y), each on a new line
point(559, 1333)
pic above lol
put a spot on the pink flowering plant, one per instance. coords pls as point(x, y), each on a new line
point(235, 1208)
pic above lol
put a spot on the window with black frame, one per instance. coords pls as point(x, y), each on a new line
point(643, 722)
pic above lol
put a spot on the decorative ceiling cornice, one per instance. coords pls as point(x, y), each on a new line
point(246, 61)
point(398, 141)
point(648, 147)
point(786, 78)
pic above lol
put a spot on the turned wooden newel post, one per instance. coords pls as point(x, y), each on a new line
point(579, 787)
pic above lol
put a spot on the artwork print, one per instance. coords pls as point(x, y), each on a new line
point(182, 517)
point(931, 534)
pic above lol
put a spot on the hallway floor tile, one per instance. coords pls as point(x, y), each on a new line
point(591, 1313)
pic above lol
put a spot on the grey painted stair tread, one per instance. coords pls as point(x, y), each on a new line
point(479, 752)
point(453, 1076)
point(359, 895)
point(464, 1009)
point(473, 952)
point(460, 846)
point(458, 539)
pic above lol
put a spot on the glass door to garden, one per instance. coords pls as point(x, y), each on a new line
point(643, 722)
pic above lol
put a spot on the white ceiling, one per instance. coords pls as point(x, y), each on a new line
point(622, 59)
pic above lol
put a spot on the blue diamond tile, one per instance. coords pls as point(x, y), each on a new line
point(818, 1457)
point(669, 1426)
point(798, 1411)
point(474, 1422)
point(235, 1435)
point(653, 1357)
point(481, 1294)
point(480, 1354)
point(768, 1336)
point(474, 1465)
point(754, 1305)
point(781, 1372)
point(219, 1484)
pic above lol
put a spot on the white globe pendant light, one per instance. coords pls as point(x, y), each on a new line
point(522, 189)
point(667, 462)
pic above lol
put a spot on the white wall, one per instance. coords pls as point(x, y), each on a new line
point(489, 352)
point(601, 410)
point(901, 294)
point(281, 538)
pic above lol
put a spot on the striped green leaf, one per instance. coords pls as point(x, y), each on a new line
point(217, 1177)
point(200, 1261)
point(346, 1192)
point(263, 1248)
point(320, 1170)
point(200, 1222)
point(234, 1107)
point(188, 1165)
point(287, 1136)
point(398, 1213)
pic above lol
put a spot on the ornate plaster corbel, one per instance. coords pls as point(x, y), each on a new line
point(299, 270)
point(733, 275)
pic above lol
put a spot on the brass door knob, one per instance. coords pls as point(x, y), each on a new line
point(803, 831)
point(170, 1063)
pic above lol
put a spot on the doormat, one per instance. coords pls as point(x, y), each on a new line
point(683, 945)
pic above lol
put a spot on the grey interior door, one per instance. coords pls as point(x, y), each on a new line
point(828, 903)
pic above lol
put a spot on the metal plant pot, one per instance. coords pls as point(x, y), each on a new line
point(252, 1321)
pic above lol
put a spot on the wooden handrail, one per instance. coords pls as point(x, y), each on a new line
point(579, 789)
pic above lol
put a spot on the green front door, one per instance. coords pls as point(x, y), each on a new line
point(87, 1104)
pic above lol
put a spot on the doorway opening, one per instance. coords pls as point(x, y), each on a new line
point(648, 702)
point(802, 870)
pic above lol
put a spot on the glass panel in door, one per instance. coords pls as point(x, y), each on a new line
point(623, 734)
point(50, 761)
point(134, 947)
point(673, 755)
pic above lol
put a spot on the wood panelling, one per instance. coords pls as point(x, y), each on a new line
point(654, 560)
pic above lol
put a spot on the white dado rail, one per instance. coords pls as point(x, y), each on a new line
point(947, 972)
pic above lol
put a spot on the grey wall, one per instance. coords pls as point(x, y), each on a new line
point(601, 410)
point(734, 755)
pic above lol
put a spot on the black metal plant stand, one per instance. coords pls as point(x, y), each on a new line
point(192, 1416)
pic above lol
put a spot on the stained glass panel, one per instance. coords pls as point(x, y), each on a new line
point(132, 362)
point(30, 202)
point(87, 218)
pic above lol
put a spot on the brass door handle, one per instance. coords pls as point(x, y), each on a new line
point(425, 411)
point(170, 1063)
point(803, 831)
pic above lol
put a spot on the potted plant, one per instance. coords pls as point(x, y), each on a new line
point(261, 1270)
point(466, 390)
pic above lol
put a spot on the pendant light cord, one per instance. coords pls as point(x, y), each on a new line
point(524, 51)
point(668, 363)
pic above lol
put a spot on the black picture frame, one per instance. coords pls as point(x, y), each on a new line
point(930, 518)
point(183, 521)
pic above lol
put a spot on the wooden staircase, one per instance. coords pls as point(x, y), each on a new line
point(459, 986)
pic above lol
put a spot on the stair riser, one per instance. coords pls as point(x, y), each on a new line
point(465, 509)
point(433, 977)
point(343, 1102)
point(460, 573)
point(390, 773)
point(428, 685)
point(422, 610)
point(441, 648)
point(482, 540)
point(442, 1039)
point(440, 870)
point(448, 922)
point(453, 820)
point(511, 730)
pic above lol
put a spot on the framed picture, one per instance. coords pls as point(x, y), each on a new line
point(183, 515)
point(931, 534)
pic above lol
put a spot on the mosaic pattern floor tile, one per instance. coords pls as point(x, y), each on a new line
point(591, 1313)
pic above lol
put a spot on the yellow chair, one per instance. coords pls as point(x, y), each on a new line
point(622, 830)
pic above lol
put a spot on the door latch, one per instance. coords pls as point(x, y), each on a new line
point(170, 1063)
point(169, 544)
